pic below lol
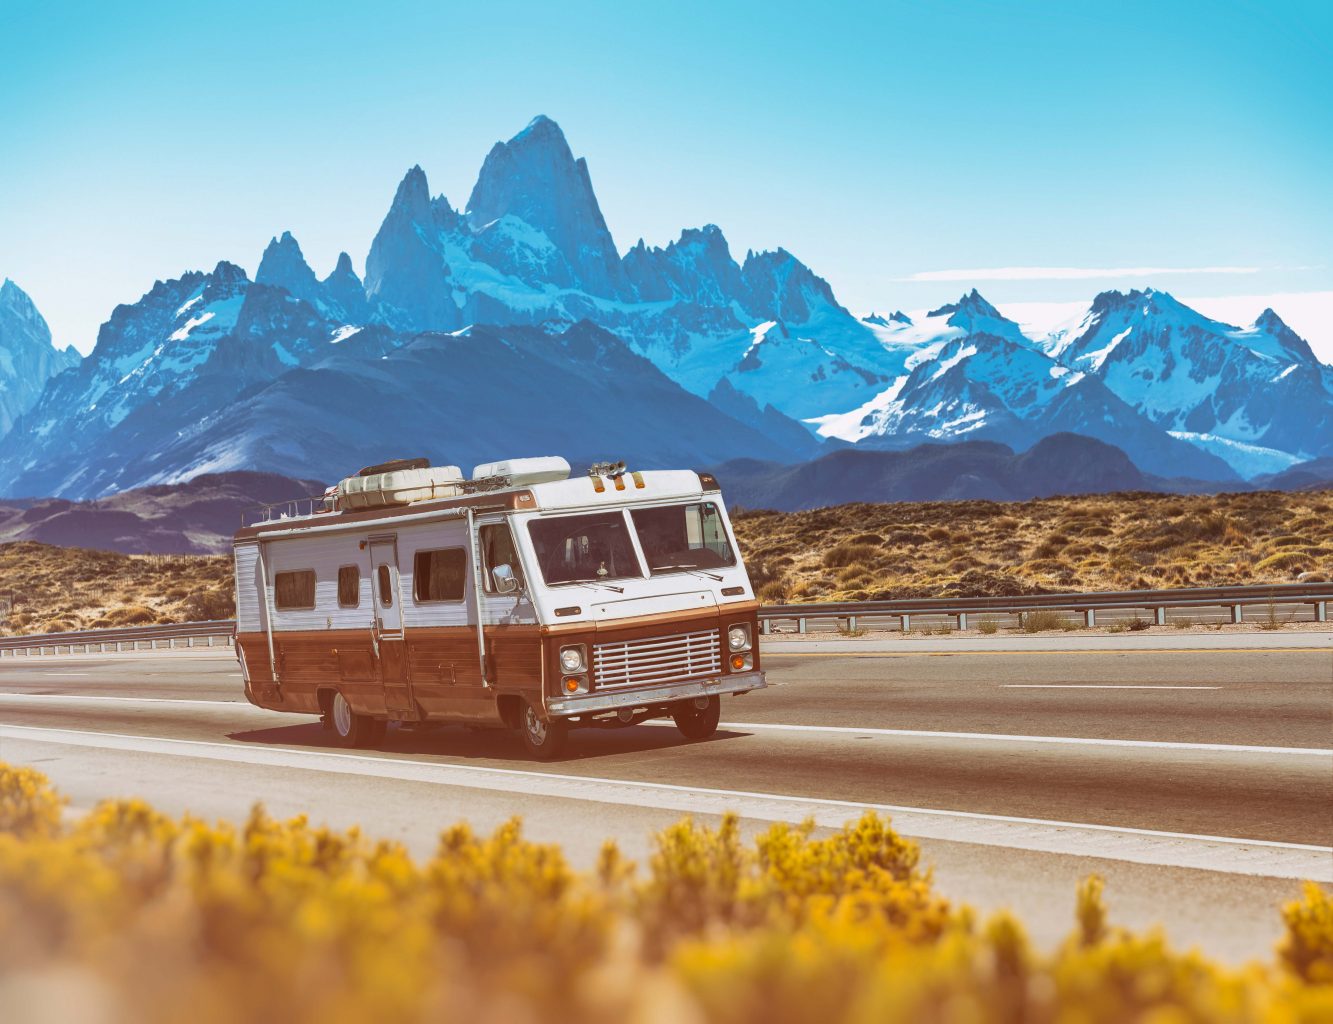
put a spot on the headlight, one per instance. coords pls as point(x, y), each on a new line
point(738, 637)
point(571, 658)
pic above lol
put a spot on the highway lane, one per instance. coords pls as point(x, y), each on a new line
point(1232, 762)
point(1267, 698)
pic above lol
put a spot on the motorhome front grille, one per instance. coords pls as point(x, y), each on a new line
point(658, 659)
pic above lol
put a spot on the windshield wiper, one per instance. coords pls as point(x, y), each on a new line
point(687, 568)
point(598, 583)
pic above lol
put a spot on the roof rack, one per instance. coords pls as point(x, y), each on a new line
point(292, 508)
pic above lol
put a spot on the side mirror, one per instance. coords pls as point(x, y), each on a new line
point(505, 580)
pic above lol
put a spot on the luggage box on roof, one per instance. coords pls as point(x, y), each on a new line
point(400, 487)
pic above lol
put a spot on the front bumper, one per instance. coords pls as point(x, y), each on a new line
point(587, 704)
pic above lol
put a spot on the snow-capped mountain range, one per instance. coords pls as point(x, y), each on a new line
point(514, 324)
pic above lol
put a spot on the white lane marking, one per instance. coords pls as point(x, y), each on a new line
point(1230, 854)
point(1229, 748)
point(129, 700)
point(1087, 741)
point(1098, 686)
point(64, 675)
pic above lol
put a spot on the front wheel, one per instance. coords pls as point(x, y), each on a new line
point(351, 729)
point(543, 737)
point(697, 723)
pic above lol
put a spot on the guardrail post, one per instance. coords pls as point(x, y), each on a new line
point(1090, 617)
point(800, 624)
point(1160, 614)
point(906, 618)
point(766, 626)
point(962, 620)
point(1321, 611)
point(1236, 614)
point(851, 623)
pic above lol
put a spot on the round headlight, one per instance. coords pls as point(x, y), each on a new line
point(738, 637)
point(571, 659)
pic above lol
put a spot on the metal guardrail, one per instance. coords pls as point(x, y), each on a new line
point(1317, 596)
point(1156, 602)
point(128, 638)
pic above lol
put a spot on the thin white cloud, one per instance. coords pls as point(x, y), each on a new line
point(1066, 273)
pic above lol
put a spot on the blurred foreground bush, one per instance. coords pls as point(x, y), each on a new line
point(129, 916)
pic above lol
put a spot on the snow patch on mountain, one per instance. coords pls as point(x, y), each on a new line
point(1249, 460)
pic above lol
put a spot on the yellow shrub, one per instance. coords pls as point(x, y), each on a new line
point(161, 920)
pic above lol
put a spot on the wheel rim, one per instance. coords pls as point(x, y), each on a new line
point(535, 726)
point(342, 715)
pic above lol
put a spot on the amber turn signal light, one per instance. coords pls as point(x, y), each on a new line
point(738, 661)
point(571, 684)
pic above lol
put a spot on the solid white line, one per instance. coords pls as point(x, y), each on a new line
point(1229, 748)
point(128, 700)
point(1087, 741)
point(1229, 854)
point(1098, 686)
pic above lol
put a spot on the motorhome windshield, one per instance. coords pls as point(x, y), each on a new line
point(584, 549)
point(683, 537)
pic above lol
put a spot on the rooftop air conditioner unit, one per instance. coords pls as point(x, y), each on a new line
point(522, 472)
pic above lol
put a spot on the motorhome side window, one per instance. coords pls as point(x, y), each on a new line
point(678, 537)
point(349, 586)
point(584, 549)
point(294, 590)
point(439, 575)
point(497, 548)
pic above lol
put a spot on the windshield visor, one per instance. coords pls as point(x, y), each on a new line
point(676, 538)
point(584, 549)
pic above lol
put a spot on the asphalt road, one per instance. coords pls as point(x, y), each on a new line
point(1200, 784)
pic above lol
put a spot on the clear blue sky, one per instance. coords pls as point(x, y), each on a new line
point(876, 141)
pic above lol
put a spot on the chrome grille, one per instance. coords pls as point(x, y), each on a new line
point(657, 659)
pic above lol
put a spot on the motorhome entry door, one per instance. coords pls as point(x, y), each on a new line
point(389, 624)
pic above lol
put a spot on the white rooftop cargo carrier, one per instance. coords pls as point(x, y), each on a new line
point(399, 483)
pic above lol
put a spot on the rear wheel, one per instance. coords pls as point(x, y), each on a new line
point(697, 723)
point(352, 729)
point(543, 737)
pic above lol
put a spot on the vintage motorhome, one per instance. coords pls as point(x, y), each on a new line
point(519, 598)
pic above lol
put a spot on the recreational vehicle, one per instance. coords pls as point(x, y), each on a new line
point(519, 597)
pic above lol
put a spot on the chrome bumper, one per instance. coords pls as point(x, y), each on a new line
point(587, 704)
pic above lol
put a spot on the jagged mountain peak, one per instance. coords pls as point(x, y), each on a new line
point(1273, 325)
point(343, 268)
point(413, 193)
point(535, 178)
point(17, 302)
point(896, 317)
point(972, 303)
point(540, 127)
point(783, 288)
point(28, 359)
point(284, 265)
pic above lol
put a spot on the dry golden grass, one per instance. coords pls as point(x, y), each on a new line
point(48, 589)
point(1084, 543)
point(848, 552)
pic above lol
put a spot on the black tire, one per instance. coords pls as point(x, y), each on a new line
point(351, 729)
point(544, 738)
point(698, 723)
